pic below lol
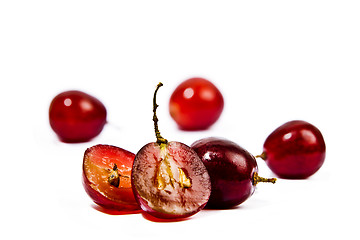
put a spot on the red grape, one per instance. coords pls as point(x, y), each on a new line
point(233, 171)
point(76, 116)
point(106, 177)
point(295, 150)
point(169, 180)
point(196, 104)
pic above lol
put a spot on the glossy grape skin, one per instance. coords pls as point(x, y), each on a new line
point(231, 169)
point(76, 116)
point(295, 150)
point(196, 104)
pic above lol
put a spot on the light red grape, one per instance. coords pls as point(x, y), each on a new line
point(196, 104)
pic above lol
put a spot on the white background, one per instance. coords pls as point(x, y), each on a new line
point(274, 61)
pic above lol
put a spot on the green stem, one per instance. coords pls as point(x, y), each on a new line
point(159, 138)
point(262, 155)
point(257, 179)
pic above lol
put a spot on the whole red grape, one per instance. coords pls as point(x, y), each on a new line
point(76, 116)
point(295, 150)
point(196, 104)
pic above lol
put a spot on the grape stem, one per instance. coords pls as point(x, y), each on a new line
point(262, 156)
point(257, 179)
point(159, 139)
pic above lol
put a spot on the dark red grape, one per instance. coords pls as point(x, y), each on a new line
point(233, 171)
point(196, 104)
point(295, 150)
point(169, 180)
point(76, 116)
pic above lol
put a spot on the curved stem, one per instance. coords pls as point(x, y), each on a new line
point(257, 179)
point(159, 138)
point(262, 156)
